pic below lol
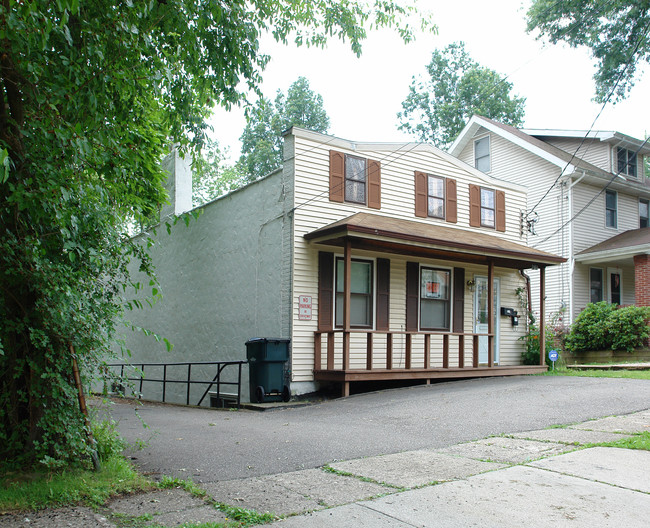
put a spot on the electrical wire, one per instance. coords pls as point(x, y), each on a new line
point(601, 191)
point(609, 96)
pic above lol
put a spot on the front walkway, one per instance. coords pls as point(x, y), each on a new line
point(535, 478)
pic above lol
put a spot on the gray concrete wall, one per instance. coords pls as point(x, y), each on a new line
point(224, 279)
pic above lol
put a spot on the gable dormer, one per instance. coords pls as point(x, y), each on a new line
point(611, 151)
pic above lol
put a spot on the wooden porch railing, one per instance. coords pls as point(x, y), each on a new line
point(370, 349)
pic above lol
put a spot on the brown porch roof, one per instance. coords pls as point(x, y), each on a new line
point(627, 244)
point(409, 237)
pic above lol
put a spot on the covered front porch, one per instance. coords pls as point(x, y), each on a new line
point(618, 269)
point(388, 351)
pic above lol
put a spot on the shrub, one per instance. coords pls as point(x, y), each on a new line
point(601, 326)
point(628, 327)
point(530, 355)
point(589, 331)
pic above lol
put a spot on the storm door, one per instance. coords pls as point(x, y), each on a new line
point(481, 317)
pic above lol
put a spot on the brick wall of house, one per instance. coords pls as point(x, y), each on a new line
point(642, 280)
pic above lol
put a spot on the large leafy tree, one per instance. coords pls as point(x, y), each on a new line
point(615, 31)
point(91, 92)
point(265, 122)
point(456, 87)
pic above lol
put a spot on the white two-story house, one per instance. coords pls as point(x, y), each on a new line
point(377, 260)
point(588, 198)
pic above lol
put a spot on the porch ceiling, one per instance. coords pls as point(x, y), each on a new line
point(408, 237)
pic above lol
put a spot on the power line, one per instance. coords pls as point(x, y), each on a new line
point(609, 96)
point(611, 180)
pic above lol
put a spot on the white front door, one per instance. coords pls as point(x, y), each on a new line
point(481, 317)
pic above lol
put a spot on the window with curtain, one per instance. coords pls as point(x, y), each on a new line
point(355, 179)
point(361, 292)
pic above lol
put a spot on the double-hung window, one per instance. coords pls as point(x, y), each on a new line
point(435, 286)
point(595, 285)
point(487, 207)
point(626, 162)
point(355, 179)
point(482, 154)
point(611, 208)
point(435, 196)
point(644, 209)
point(361, 292)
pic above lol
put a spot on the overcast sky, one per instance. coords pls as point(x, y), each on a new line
point(363, 95)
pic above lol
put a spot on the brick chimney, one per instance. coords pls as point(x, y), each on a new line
point(178, 185)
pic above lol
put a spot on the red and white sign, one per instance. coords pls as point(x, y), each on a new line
point(304, 307)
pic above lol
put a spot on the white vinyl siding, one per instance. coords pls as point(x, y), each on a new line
point(513, 163)
point(314, 210)
point(588, 229)
point(592, 151)
point(581, 278)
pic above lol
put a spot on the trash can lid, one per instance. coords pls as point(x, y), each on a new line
point(268, 340)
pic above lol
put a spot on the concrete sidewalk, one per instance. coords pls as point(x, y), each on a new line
point(537, 478)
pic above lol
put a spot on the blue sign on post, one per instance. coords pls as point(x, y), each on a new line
point(553, 355)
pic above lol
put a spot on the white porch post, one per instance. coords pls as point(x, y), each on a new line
point(347, 282)
point(542, 316)
point(490, 308)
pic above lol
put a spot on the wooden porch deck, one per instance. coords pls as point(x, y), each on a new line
point(378, 363)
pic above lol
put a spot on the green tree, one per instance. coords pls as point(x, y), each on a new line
point(615, 31)
point(265, 122)
point(455, 88)
point(91, 92)
point(212, 176)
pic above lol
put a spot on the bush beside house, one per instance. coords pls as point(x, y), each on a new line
point(603, 326)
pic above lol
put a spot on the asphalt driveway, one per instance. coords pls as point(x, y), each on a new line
point(208, 445)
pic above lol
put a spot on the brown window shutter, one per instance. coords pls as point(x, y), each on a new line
point(325, 290)
point(451, 209)
point(383, 294)
point(474, 206)
point(459, 300)
point(374, 184)
point(500, 212)
point(337, 176)
point(412, 295)
point(420, 194)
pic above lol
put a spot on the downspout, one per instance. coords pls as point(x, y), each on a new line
point(571, 261)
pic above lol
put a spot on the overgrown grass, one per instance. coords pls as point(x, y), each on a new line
point(629, 374)
point(20, 491)
point(240, 516)
point(638, 441)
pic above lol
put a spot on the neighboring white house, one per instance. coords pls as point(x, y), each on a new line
point(588, 200)
point(377, 260)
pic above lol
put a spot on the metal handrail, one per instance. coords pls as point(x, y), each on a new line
point(221, 365)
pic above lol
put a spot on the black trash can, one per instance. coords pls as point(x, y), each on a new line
point(268, 369)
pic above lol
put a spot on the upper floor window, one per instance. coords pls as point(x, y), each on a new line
point(487, 207)
point(354, 179)
point(611, 207)
point(626, 162)
point(644, 209)
point(482, 154)
point(435, 196)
